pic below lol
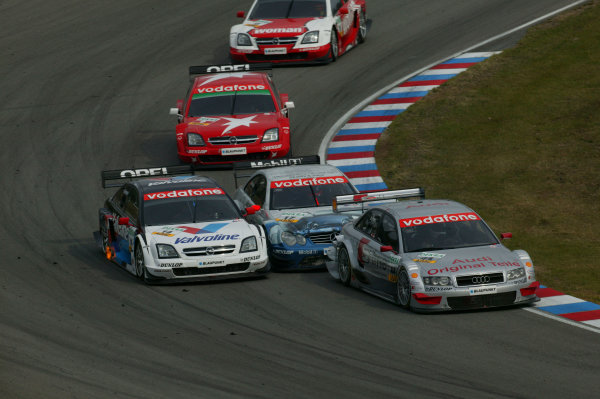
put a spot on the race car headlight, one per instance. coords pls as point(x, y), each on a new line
point(166, 251)
point(195, 139)
point(243, 40)
point(515, 273)
point(437, 280)
point(311, 37)
point(249, 245)
point(271, 135)
point(291, 239)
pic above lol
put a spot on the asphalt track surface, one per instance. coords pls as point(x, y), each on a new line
point(86, 86)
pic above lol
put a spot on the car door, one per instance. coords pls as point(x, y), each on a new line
point(255, 193)
point(365, 246)
point(127, 207)
point(344, 20)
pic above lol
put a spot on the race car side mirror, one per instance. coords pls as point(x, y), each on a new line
point(386, 248)
point(289, 105)
point(251, 210)
point(124, 221)
point(505, 236)
point(240, 14)
point(174, 111)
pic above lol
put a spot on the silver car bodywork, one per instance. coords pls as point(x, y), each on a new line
point(450, 270)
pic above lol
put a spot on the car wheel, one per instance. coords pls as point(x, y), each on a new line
point(362, 27)
point(335, 48)
point(140, 267)
point(104, 235)
point(344, 268)
point(403, 290)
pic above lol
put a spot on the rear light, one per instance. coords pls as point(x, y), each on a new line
point(427, 300)
point(531, 289)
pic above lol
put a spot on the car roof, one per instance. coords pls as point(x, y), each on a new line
point(301, 171)
point(157, 184)
point(230, 79)
point(430, 207)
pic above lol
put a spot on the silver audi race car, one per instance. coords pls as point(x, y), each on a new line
point(178, 228)
point(429, 255)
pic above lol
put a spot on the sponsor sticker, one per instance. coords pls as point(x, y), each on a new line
point(207, 238)
point(204, 121)
point(262, 31)
point(272, 147)
point(211, 263)
point(171, 264)
point(282, 252)
point(250, 258)
point(194, 192)
point(437, 289)
point(254, 89)
point(312, 181)
point(445, 218)
point(258, 23)
point(483, 290)
point(234, 151)
point(275, 50)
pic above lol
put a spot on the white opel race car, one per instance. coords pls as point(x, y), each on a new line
point(179, 228)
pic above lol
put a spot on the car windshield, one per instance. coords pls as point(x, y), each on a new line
point(232, 103)
point(448, 235)
point(189, 210)
point(280, 9)
point(308, 196)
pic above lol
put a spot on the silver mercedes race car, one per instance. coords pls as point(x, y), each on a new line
point(429, 255)
point(294, 205)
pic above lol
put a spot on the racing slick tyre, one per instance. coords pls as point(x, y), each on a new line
point(335, 46)
point(344, 268)
point(362, 27)
point(403, 290)
point(104, 238)
point(140, 267)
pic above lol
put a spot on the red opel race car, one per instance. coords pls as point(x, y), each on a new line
point(232, 113)
point(281, 31)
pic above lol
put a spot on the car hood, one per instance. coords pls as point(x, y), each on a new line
point(289, 27)
point(319, 223)
point(232, 125)
point(466, 261)
point(303, 216)
point(200, 234)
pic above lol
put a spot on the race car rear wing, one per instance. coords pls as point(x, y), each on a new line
point(205, 69)
point(272, 163)
point(383, 196)
point(123, 175)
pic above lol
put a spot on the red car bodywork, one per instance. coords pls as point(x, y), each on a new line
point(239, 133)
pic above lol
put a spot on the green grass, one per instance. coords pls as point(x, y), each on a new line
point(517, 138)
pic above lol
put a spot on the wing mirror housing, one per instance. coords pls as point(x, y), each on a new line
point(251, 210)
point(124, 221)
point(386, 248)
point(240, 14)
point(505, 236)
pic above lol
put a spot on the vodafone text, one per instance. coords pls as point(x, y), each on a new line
point(314, 181)
point(220, 89)
point(453, 217)
point(197, 192)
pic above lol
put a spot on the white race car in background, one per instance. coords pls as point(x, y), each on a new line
point(280, 31)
